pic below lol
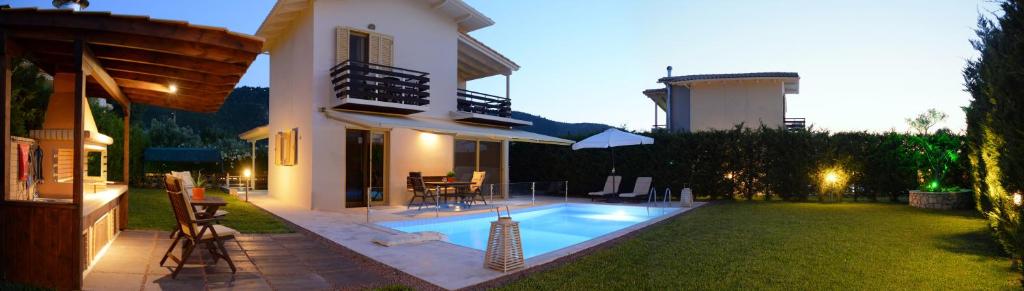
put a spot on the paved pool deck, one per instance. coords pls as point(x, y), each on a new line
point(443, 264)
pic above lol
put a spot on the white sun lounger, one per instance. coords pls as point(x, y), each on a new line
point(611, 186)
point(642, 188)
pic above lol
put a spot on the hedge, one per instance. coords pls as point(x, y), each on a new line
point(740, 163)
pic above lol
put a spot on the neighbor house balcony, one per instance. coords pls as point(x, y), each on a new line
point(483, 108)
point(369, 87)
point(793, 124)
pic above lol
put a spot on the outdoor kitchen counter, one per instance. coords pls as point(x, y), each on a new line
point(101, 200)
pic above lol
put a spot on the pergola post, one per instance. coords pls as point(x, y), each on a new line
point(5, 112)
point(122, 220)
point(78, 171)
point(252, 185)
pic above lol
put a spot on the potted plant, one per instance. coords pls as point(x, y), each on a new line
point(450, 177)
point(199, 191)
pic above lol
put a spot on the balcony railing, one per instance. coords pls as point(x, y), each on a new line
point(795, 123)
point(372, 82)
point(476, 102)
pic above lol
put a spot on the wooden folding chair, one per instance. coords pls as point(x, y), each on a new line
point(420, 190)
point(476, 189)
point(194, 231)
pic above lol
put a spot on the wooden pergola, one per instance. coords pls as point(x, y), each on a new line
point(128, 59)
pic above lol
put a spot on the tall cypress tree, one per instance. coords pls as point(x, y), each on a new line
point(995, 124)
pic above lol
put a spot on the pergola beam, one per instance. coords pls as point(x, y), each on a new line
point(92, 67)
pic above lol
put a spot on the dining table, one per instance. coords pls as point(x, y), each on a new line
point(458, 187)
point(209, 205)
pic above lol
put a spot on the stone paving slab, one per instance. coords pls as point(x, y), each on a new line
point(263, 262)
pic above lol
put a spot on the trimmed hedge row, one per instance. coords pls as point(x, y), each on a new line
point(739, 163)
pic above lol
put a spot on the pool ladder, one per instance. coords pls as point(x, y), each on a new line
point(652, 196)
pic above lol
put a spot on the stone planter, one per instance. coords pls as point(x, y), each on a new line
point(940, 200)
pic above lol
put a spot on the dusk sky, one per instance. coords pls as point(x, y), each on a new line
point(864, 65)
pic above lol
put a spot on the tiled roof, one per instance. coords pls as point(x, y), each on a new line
point(729, 76)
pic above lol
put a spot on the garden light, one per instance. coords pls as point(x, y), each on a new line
point(831, 177)
point(247, 173)
point(1017, 199)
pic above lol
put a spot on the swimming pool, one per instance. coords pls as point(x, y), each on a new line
point(544, 229)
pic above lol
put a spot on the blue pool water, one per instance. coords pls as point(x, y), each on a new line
point(543, 229)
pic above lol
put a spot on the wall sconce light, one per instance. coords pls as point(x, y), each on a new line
point(371, 26)
point(1017, 199)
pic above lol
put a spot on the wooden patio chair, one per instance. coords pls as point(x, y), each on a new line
point(476, 189)
point(420, 190)
point(194, 231)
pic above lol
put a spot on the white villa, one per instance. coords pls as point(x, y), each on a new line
point(364, 92)
point(721, 101)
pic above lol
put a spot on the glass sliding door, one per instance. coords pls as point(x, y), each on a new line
point(465, 159)
point(490, 161)
point(365, 167)
point(478, 155)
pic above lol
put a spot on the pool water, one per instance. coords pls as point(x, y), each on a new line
point(543, 229)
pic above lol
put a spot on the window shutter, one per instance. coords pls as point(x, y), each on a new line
point(341, 44)
point(374, 49)
point(387, 50)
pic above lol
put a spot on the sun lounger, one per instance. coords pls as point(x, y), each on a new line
point(642, 188)
point(611, 187)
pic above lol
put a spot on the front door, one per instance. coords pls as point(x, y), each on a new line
point(365, 168)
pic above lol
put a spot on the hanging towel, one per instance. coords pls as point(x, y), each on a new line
point(23, 161)
point(37, 163)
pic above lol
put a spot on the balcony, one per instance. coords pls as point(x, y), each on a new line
point(360, 86)
point(476, 107)
point(794, 124)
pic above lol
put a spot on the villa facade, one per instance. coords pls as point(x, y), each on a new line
point(722, 101)
point(364, 92)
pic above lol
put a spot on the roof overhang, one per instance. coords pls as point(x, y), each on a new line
point(658, 96)
point(443, 126)
point(256, 134)
point(135, 59)
point(285, 11)
point(477, 60)
point(790, 80)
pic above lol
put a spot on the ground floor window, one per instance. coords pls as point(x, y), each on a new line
point(478, 155)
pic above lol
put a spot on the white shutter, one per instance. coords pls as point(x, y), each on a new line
point(387, 50)
point(341, 44)
point(374, 49)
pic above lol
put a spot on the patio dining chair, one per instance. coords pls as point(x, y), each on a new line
point(420, 190)
point(186, 185)
point(611, 187)
point(476, 188)
point(193, 232)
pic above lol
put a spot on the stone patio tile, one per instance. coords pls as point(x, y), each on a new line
point(307, 281)
point(283, 268)
point(112, 281)
point(181, 283)
point(247, 285)
point(136, 234)
point(351, 278)
point(331, 265)
point(268, 252)
point(302, 245)
point(118, 263)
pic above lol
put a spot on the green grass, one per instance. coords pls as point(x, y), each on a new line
point(150, 209)
point(802, 246)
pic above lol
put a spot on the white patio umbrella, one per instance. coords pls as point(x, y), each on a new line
point(611, 138)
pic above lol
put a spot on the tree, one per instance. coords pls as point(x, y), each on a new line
point(924, 121)
point(994, 119)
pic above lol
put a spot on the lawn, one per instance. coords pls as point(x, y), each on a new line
point(804, 246)
point(150, 209)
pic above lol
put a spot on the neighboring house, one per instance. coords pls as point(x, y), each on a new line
point(364, 92)
point(722, 101)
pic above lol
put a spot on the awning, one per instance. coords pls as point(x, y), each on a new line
point(255, 134)
point(442, 126)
